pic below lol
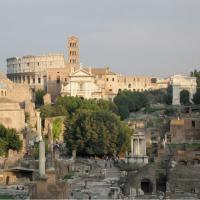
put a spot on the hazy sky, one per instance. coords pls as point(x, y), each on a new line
point(141, 37)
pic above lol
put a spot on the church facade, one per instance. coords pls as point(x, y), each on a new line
point(82, 84)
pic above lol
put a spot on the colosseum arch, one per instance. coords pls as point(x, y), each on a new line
point(179, 83)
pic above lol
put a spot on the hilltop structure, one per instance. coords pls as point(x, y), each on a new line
point(58, 76)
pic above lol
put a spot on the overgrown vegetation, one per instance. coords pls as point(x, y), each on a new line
point(196, 74)
point(39, 94)
point(196, 97)
point(129, 101)
point(57, 128)
point(97, 133)
point(92, 127)
point(66, 106)
point(69, 175)
point(9, 139)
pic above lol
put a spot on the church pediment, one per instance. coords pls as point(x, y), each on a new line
point(80, 72)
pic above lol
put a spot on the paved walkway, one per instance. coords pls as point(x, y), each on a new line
point(110, 169)
point(96, 188)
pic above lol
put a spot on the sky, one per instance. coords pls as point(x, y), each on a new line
point(133, 37)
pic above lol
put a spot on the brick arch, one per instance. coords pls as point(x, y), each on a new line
point(146, 185)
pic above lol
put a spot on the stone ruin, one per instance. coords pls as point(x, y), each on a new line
point(138, 149)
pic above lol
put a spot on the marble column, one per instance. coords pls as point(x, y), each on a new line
point(39, 129)
point(132, 146)
point(144, 147)
point(135, 146)
point(51, 145)
point(41, 147)
point(42, 158)
point(138, 146)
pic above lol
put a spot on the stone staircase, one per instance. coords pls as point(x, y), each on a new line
point(178, 189)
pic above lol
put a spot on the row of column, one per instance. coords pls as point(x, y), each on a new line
point(28, 79)
point(138, 146)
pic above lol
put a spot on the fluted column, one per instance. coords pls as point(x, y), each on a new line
point(132, 151)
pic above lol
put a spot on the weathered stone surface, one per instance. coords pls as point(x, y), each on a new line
point(179, 83)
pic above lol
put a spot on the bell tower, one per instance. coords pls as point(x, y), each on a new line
point(73, 51)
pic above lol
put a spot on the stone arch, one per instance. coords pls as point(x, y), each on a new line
point(146, 186)
point(182, 162)
point(182, 93)
point(179, 83)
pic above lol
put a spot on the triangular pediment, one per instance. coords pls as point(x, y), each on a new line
point(80, 72)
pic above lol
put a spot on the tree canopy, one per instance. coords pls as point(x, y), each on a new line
point(128, 101)
point(92, 127)
point(196, 97)
point(96, 133)
point(68, 105)
point(57, 128)
point(196, 74)
point(168, 96)
point(9, 139)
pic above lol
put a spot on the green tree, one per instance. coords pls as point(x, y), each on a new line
point(184, 97)
point(96, 133)
point(39, 94)
point(92, 127)
point(196, 74)
point(9, 139)
point(134, 101)
point(57, 128)
point(123, 111)
point(168, 96)
point(65, 106)
point(196, 97)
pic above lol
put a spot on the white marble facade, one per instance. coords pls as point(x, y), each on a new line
point(179, 83)
point(82, 84)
